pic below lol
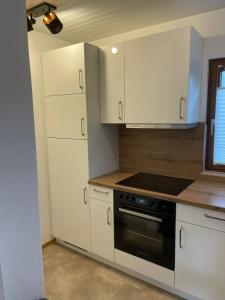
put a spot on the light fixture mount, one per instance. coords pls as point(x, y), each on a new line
point(50, 20)
point(40, 10)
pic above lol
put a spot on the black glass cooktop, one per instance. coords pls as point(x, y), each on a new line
point(157, 183)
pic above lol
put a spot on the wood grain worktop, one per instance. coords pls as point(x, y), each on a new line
point(202, 193)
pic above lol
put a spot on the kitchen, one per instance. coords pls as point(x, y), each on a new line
point(129, 132)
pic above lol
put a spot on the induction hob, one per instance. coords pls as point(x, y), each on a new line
point(157, 183)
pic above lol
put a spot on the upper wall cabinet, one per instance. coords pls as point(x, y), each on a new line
point(162, 79)
point(64, 71)
point(112, 83)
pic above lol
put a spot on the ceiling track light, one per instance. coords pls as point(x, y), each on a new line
point(50, 20)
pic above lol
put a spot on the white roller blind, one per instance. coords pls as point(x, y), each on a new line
point(219, 138)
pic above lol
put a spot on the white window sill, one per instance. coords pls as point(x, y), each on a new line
point(213, 173)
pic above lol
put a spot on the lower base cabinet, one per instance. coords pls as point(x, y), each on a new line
point(102, 229)
point(200, 261)
point(70, 208)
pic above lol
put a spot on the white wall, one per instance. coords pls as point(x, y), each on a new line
point(20, 245)
point(39, 43)
point(211, 24)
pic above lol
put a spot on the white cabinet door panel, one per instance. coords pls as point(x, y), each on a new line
point(112, 83)
point(200, 261)
point(156, 78)
point(66, 116)
point(63, 71)
point(68, 168)
point(102, 229)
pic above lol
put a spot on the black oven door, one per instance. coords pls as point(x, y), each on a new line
point(145, 234)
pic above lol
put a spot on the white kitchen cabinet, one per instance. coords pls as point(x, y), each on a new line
point(80, 147)
point(64, 70)
point(163, 78)
point(66, 116)
point(112, 83)
point(68, 168)
point(200, 261)
point(102, 229)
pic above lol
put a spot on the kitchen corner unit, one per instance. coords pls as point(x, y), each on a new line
point(199, 242)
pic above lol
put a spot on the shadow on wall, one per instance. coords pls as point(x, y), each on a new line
point(2, 297)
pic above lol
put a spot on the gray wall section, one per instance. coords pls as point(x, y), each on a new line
point(2, 297)
point(20, 246)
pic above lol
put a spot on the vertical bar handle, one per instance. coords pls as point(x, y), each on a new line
point(120, 110)
point(82, 126)
point(85, 195)
point(181, 241)
point(182, 99)
point(108, 215)
point(81, 79)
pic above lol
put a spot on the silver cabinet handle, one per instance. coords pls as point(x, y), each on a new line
point(98, 191)
point(182, 99)
point(215, 218)
point(82, 126)
point(85, 195)
point(181, 241)
point(137, 214)
point(108, 215)
point(120, 110)
point(81, 79)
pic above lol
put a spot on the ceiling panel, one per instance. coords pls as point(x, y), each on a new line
point(32, 3)
point(88, 20)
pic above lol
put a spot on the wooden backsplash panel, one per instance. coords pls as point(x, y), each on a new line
point(177, 152)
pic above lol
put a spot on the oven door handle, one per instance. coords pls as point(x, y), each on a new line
point(137, 214)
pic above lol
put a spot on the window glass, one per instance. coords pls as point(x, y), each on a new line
point(219, 135)
point(215, 143)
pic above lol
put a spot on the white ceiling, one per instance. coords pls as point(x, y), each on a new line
point(88, 20)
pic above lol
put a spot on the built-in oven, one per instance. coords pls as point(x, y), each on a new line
point(145, 227)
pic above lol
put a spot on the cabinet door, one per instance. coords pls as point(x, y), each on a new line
point(66, 116)
point(63, 71)
point(112, 83)
point(200, 261)
point(156, 72)
point(68, 168)
point(102, 229)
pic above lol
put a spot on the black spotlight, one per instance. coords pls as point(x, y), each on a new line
point(52, 22)
point(29, 25)
point(50, 18)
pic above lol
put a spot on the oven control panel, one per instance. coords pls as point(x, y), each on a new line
point(144, 202)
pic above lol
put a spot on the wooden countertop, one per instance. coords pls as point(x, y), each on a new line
point(202, 193)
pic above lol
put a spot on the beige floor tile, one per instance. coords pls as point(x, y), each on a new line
point(72, 276)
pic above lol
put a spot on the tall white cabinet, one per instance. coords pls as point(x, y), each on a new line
point(79, 147)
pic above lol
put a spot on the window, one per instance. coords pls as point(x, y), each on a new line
point(215, 146)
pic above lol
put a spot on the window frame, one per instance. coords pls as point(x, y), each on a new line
point(213, 82)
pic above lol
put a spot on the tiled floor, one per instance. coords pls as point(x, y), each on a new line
point(71, 276)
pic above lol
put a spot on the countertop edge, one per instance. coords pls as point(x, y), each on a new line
point(182, 199)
